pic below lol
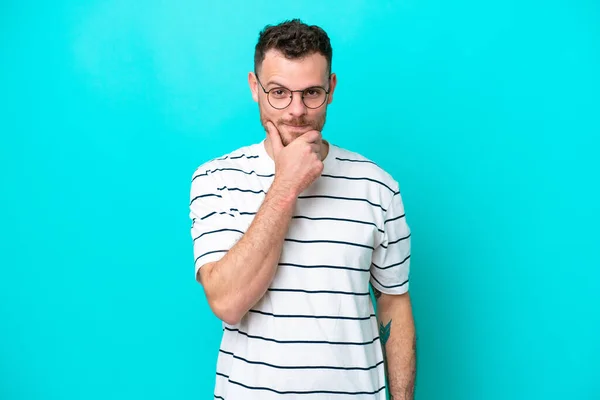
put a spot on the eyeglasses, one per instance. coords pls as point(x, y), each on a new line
point(281, 97)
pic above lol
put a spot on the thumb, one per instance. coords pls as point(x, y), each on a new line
point(275, 138)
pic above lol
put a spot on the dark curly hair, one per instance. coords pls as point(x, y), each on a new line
point(294, 39)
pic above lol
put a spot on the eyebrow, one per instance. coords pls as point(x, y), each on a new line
point(277, 84)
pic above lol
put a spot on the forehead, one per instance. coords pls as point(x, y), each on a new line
point(307, 71)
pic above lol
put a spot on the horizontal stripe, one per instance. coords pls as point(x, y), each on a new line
point(223, 375)
point(210, 252)
point(395, 241)
point(306, 392)
point(393, 219)
point(243, 155)
point(236, 157)
point(323, 266)
point(399, 240)
point(242, 212)
point(389, 287)
point(233, 169)
point(241, 190)
point(208, 215)
point(214, 213)
point(358, 161)
point(322, 196)
point(219, 397)
point(353, 178)
point(329, 241)
point(337, 219)
point(393, 265)
point(205, 195)
point(301, 366)
point(301, 341)
point(217, 231)
point(311, 316)
point(317, 291)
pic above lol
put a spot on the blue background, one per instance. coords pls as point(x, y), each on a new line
point(485, 112)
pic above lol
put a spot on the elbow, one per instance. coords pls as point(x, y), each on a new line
point(233, 319)
point(226, 311)
point(224, 305)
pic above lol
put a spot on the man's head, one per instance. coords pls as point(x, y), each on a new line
point(292, 80)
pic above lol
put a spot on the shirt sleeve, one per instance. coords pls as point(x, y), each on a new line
point(391, 259)
point(214, 228)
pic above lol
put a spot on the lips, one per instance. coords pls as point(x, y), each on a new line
point(297, 127)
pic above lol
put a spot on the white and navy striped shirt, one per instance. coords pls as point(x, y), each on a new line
point(314, 334)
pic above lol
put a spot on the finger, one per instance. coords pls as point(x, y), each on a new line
point(311, 137)
point(316, 148)
point(275, 138)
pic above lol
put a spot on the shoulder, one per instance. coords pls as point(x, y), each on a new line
point(236, 159)
point(354, 163)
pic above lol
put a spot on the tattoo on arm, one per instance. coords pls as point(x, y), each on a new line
point(384, 331)
point(384, 335)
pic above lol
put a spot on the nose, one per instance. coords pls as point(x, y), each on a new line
point(297, 107)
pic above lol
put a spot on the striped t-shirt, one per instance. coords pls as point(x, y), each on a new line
point(314, 334)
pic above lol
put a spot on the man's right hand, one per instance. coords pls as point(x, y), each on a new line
point(298, 164)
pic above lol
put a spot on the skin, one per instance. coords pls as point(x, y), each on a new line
point(295, 120)
point(398, 337)
point(234, 284)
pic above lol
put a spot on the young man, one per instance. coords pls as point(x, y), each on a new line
point(288, 235)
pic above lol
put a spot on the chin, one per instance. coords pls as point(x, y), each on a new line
point(294, 131)
point(288, 138)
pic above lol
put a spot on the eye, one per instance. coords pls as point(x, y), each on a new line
point(313, 92)
point(279, 93)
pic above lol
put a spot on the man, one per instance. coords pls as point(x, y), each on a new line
point(288, 235)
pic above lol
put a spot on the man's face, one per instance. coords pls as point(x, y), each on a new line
point(277, 71)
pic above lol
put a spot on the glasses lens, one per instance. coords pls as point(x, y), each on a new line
point(314, 97)
point(280, 97)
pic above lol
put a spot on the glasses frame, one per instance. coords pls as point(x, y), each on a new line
point(268, 92)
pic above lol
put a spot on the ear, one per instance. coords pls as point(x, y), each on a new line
point(332, 85)
point(253, 85)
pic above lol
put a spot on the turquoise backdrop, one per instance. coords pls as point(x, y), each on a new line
point(486, 112)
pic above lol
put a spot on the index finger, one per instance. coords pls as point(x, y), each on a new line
point(275, 138)
point(313, 136)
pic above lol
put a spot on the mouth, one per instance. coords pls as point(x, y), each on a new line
point(298, 128)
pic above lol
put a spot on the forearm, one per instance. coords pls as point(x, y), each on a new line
point(236, 283)
point(397, 333)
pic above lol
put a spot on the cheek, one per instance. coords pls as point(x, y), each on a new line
point(318, 113)
point(269, 113)
point(316, 116)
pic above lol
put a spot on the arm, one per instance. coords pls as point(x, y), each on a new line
point(234, 283)
point(397, 333)
point(238, 280)
point(390, 272)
